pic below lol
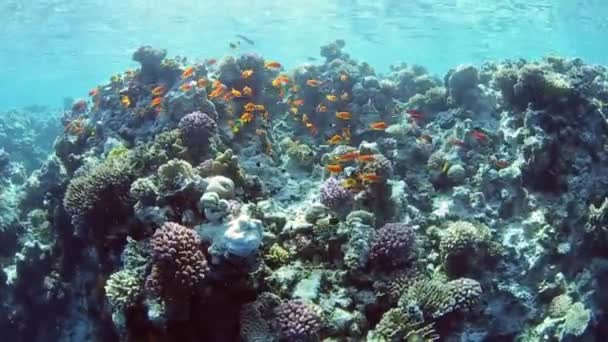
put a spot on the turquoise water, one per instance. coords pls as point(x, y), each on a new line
point(52, 49)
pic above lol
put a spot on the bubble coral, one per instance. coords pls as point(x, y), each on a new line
point(197, 128)
point(392, 245)
point(178, 259)
point(333, 195)
point(297, 321)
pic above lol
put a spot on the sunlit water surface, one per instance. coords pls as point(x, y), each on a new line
point(57, 48)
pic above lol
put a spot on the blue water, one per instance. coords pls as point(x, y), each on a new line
point(52, 49)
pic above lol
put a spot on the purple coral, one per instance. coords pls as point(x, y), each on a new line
point(392, 245)
point(333, 195)
point(297, 321)
point(197, 127)
point(178, 259)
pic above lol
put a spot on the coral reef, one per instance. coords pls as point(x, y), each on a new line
point(232, 199)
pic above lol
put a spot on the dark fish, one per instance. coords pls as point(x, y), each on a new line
point(312, 59)
point(234, 45)
point(247, 40)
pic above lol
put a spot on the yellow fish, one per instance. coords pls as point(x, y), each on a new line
point(125, 101)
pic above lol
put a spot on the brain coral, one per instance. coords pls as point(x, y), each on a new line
point(178, 259)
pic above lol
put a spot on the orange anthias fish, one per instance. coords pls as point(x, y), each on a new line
point(344, 115)
point(336, 139)
point(125, 101)
point(157, 101)
point(415, 114)
point(294, 110)
point(350, 156)
point(250, 106)
point(260, 108)
point(272, 65)
point(311, 128)
point(247, 117)
point(202, 82)
point(185, 87)
point(247, 73)
point(331, 98)
point(366, 158)
point(211, 61)
point(313, 83)
point(298, 102)
point(378, 126)
point(501, 163)
point(247, 91)
point(280, 81)
point(344, 77)
point(346, 134)
point(94, 92)
point(321, 108)
point(479, 135)
point(188, 72)
point(344, 96)
point(158, 91)
point(457, 142)
point(369, 177)
point(236, 93)
point(334, 168)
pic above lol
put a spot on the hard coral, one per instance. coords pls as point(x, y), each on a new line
point(197, 127)
point(178, 260)
point(397, 325)
point(334, 196)
point(123, 288)
point(297, 321)
point(392, 245)
point(100, 196)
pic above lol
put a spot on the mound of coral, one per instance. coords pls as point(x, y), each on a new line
point(234, 200)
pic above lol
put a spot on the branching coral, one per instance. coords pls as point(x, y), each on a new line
point(297, 321)
point(397, 325)
point(178, 262)
point(334, 196)
point(392, 245)
point(101, 196)
point(123, 289)
point(465, 246)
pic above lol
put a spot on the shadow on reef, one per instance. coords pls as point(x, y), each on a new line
point(233, 200)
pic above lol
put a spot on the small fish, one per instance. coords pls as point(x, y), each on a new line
point(331, 98)
point(217, 92)
point(313, 83)
point(247, 117)
point(299, 102)
point(456, 142)
point(188, 72)
point(260, 108)
point(350, 156)
point(336, 139)
point(234, 45)
point(228, 96)
point(369, 177)
point(346, 134)
point(245, 39)
point(334, 168)
point(343, 77)
point(125, 101)
point(250, 106)
point(157, 101)
point(366, 158)
point(247, 73)
point(94, 92)
point(378, 126)
point(479, 135)
point(311, 59)
point(185, 87)
point(344, 96)
point(321, 108)
point(425, 138)
point(295, 88)
point(247, 91)
point(294, 110)
point(501, 163)
point(202, 82)
point(272, 65)
point(415, 114)
point(305, 118)
point(158, 91)
point(236, 93)
point(211, 61)
point(344, 115)
point(445, 167)
point(350, 183)
point(311, 128)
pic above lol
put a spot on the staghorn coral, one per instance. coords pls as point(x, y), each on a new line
point(178, 260)
point(123, 289)
point(297, 321)
point(101, 196)
point(397, 325)
point(436, 298)
point(392, 245)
